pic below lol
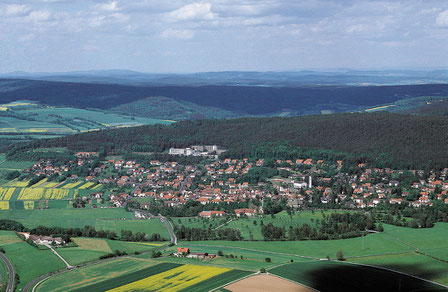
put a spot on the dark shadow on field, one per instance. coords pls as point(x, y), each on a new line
point(334, 276)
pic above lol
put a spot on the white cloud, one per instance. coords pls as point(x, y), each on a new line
point(109, 6)
point(183, 34)
point(442, 19)
point(194, 11)
point(39, 15)
point(16, 10)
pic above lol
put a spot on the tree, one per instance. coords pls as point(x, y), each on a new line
point(220, 253)
point(262, 270)
point(268, 260)
point(380, 227)
point(340, 256)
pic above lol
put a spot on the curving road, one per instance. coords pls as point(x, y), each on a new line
point(10, 287)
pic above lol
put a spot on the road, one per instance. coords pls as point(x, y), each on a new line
point(62, 259)
point(10, 273)
point(170, 229)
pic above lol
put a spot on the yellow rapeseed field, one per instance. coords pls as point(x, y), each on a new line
point(86, 186)
point(173, 280)
point(4, 205)
point(42, 193)
point(39, 184)
point(50, 185)
point(16, 183)
point(71, 185)
point(28, 205)
point(6, 193)
point(97, 186)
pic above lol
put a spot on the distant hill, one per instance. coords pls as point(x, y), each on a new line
point(384, 139)
point(244, 78)
point(211, 101)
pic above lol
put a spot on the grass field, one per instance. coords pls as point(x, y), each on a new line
point(114, 282)
point(27, 260)
point(174, 279)
point(369, 245)
point(251, 226)
point(79, 278)
point(326, 275)
point(101, 219)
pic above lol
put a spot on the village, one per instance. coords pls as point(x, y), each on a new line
point(301, 183)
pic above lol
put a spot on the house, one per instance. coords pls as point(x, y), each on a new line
point(183, 250)
point(244, 211)
point(210, 214)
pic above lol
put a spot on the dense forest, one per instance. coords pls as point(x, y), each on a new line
point(382, 139)
point(243, 100)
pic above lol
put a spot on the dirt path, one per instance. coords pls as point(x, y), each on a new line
point(56, 253)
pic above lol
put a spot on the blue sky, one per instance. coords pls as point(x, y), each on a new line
point(220, 35)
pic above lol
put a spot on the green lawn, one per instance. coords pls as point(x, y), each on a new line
point(94, 274)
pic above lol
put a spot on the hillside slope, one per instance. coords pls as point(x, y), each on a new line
point(389, 140)
point(232, 100)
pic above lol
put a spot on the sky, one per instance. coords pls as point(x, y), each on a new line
point(221, 35)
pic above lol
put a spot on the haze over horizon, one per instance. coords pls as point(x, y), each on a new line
point(216, 35)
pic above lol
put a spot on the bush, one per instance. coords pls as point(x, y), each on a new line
point(340, 256)
point(268, 260)
point(262, 270)
point(220, 253)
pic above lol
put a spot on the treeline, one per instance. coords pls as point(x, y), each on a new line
point(192, 234)
point(381, 139)
point(193, 208)
point(87, 231)
point(422, 217)
point(333, 226)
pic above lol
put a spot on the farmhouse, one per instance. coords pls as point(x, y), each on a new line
point(210, 214)
point(244, 211)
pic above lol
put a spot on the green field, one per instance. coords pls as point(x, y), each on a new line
point(94, 274)
point(90, 249)
point(27, 260)
point(411, 263)
point(252, 260)
point(217, 281)
point(128, 278)
point(326, 275)
point(102, 219)
point(49, 121)
point(252, 226)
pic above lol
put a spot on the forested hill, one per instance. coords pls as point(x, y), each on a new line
point(390, 140)
point(235, 100)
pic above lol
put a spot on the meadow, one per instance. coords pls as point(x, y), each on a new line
point(90, 249)
point(113, 219)
point(97, 273)
point(326, 275)
point(129, 274)
point(27, 260)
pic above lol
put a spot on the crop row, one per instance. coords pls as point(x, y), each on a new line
point(173, 280)
point(6, 193)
